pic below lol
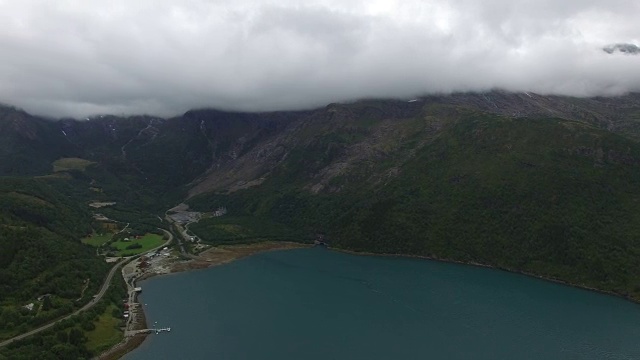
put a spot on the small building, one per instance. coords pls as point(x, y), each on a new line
point(29, 306)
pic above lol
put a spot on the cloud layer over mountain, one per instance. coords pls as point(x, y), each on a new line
point(74, 58)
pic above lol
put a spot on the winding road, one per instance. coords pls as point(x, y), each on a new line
point(94, 301)
point(89, 305)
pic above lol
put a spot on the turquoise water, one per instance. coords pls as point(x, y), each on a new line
point(320, 304)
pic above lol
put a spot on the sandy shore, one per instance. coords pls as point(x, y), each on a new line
point(211, 257)
point(227, 253)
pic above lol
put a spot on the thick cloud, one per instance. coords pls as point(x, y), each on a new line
point(163, 57)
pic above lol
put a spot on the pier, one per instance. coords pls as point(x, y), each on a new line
point(158, 330)
point(155, 329)
point(148, 331)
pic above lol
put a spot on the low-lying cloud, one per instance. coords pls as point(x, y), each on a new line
point(76, 58)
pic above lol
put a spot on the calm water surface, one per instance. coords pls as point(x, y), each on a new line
point(320, 304)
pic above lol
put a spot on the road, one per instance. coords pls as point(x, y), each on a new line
point(89, 305)
point(180, 234)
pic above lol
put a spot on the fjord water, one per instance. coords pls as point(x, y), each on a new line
point(320, 304)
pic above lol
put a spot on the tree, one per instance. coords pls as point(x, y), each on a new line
point(88, 325)
point(65, 351)
point(62, 336)
point(134, 246)
point(46, 303)
point(76, 337)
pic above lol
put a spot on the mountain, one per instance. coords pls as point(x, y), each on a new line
point(207, 144)
point(539, 184)
point(28, 144)
point(629, 49)
point(368, 131)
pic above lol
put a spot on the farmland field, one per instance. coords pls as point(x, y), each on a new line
point(97, 239)
point(147, 242)
point(66, 164)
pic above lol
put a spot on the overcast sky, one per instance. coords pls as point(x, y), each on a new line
point(162, 57)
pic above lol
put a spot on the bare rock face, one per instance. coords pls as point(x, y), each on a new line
point(628, 49)
point(342, 144)
point(326, 149)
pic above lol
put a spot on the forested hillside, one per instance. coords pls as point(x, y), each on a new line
point(553, 197)
point(541, 184)
point(28, 144)
point(42, 260)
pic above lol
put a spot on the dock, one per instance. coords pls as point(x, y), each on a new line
point(148, 331)
point(159, 330)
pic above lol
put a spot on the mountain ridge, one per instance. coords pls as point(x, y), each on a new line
point(241, 158)
point(539, 184)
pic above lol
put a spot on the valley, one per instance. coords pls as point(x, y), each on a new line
point(543, 185)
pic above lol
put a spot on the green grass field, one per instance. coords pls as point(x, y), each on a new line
point(106, 334)
point(66, 164)
point(97, 239)
point(148, 242)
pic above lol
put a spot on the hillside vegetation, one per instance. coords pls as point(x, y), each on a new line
point(532, 183)
point(548, 196)
point(42, 260)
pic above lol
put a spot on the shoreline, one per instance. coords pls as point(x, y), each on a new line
point(513, 271)
point(127, 344)
point(215, 256)
point(225, 254)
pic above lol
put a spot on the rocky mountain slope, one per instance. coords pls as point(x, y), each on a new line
point(541, 184)
point(214, 150)
point(352, 136)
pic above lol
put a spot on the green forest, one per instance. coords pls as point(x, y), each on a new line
point(81, 337)
point(549, 197)
point(42, 261)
